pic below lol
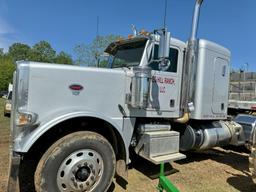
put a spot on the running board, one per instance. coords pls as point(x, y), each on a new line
point(165, 158)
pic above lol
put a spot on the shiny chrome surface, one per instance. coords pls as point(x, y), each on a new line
point(80, 171)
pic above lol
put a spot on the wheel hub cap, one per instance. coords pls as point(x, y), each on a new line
point(83, 173)
point(80, 171)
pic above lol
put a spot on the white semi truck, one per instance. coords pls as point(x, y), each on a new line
point(72, 127)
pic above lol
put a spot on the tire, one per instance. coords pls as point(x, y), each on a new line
point(80, 161)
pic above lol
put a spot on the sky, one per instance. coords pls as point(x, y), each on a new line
point(66, 23)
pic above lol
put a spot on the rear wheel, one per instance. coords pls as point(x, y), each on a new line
point(81, 161)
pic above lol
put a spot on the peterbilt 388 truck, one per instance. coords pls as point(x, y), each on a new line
point(73, 127)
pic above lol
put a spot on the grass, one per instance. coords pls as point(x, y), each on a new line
point(4, 146)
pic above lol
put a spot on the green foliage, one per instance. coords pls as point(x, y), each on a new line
point(19, 51)
point(63, 58)
point(7, 68)
point(42, 52)
point(103, 64)
point(1, 52)
point(89, 54)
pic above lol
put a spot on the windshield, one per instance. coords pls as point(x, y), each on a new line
point(128, 55)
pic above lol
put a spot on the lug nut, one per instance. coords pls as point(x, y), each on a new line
point(81, 186)
point(92, 178)
point(87, 183)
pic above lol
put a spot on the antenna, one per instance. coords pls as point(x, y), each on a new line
point(97, 26)
point(97, 46)
point(165, 12)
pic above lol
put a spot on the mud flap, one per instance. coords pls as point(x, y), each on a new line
point(13, 181)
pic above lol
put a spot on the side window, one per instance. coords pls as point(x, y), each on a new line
point(173, 57)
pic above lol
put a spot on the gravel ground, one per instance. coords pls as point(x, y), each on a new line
point(216, 170)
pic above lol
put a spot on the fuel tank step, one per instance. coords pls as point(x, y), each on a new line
point(159, 146)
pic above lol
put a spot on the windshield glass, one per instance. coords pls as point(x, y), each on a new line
point(128, 55)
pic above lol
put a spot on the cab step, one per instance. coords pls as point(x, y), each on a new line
point(165, 158)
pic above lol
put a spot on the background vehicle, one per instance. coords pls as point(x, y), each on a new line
point(242, 108)
point(252, 158)
point(8, 104)
point(158, 97)
point(3, 93)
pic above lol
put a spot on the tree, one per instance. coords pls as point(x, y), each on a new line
point(7, 68)
point(42, 52)
point(1, 52)
point(89, 54)
point(63, 58)
point(19, 51)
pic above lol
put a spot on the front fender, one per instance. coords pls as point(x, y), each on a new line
point(29, 139)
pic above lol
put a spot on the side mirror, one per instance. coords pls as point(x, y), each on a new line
point(164, 44)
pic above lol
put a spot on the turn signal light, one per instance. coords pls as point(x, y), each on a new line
point(26, 118)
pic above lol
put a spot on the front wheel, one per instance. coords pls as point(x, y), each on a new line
point(81, 161)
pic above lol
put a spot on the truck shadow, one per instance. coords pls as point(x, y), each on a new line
point(240, 181)
point(236, 157)
point(145, 167)
point(149, 169)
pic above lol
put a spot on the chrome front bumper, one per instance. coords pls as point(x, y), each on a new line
point(13, 181)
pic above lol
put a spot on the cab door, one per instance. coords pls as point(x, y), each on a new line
point(166, 83)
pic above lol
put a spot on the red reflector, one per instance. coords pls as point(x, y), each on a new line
point(253, 107)
point(76, 87)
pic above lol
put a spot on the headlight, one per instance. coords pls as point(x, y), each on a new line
point(20, 99)
point(8, 107)
point(23, 120)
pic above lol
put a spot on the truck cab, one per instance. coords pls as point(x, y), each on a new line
point(165, 86)
point(210, 77)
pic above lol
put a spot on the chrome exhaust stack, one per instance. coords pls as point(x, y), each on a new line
point(189, 73)
point(195, 20)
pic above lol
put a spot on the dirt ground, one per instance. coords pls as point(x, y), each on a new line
point(216, 170)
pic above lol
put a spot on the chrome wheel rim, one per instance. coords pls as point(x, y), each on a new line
point(80, 171)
